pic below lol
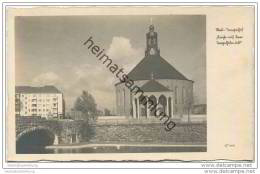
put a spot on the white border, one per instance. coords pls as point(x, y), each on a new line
point(112, 165)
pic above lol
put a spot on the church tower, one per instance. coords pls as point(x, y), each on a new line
point(160, 82)
point(151, 42)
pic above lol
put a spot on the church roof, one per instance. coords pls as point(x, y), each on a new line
point(155, 64)
point(154, 86)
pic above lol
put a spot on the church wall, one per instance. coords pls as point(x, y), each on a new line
point(182, 100)
point(123, 104)
point(148, 133)
point(123, 98)
point(182, 104)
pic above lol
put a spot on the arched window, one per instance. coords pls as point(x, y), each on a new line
point(136, 108)
point(124, 99)
point(170, 106)
point(152, 104)
point(163, 103)
point(143, 106)
point(119, 97)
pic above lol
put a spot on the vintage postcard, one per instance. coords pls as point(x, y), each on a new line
point(130, 83)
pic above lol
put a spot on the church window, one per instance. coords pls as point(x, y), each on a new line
point(183, 95)
point(119, 97)
point(176, 94)
point(124, 98)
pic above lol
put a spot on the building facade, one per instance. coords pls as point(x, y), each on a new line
point(160, 81)
point(46, 102)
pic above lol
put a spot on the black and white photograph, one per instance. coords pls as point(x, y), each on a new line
point(129, 86)
point(110, 84)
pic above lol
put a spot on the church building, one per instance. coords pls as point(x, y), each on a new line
point(160, 81)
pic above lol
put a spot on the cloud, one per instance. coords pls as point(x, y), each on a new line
point(47, 78)
point(97, 79)
point(94, 78)
point(123, 53)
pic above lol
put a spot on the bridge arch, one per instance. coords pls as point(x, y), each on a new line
point(34, 137)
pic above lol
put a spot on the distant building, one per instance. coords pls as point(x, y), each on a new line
point(46, 101)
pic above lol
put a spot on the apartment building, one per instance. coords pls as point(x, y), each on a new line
point(45, 101)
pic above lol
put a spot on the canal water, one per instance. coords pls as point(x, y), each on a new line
point(112, 149)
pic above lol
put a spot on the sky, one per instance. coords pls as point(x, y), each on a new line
point(49, 50)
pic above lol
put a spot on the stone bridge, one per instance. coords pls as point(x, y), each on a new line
point(37, 132)
point(40, 131)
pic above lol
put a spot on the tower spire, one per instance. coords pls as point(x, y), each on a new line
point(151, 42)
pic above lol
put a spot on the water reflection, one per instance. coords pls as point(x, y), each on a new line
point(112, 149)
